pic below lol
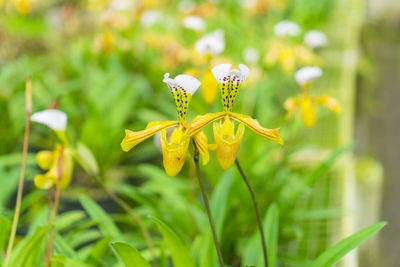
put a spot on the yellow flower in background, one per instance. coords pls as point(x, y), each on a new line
point(210, 87)
point(50, 160)
point(175, 149)
point(307, 102)
point(23, 6)
point(227, 141)
point(284, 52)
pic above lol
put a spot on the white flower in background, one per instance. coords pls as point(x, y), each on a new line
point(251, 55)
point(195, 23)
point(286, 28)
point(307, 74)
point(53, 118)
point(150, 17)
point(249, 3)
point(212, 43)
point(120, 5)
point(315, 38)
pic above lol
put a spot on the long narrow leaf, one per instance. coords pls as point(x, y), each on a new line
point(129, 255)
point(271, 232)
point(179, 252)
point(335, 253)
point(104, 221)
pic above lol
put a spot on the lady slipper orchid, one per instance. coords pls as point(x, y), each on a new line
point(175, 148)
point(285, 52)
point(307, 102)
point(49, 160)
point(227, 141)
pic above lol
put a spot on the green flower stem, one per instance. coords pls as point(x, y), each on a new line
point(28, 106)
point(196, 159)
point(135, 217)
point(257, 209)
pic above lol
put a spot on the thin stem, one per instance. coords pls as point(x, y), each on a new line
point(207, 205)
point(56, 202)
point(28, 106)
point(135, 217)
point(257, 209)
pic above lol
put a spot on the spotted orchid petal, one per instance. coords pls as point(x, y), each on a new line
point(53, 118)
point(254, 125)
point(182, 88)
point(229, 82)
point(199, 122)
point(131, 138)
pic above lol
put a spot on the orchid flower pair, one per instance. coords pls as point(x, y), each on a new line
point(50, 160)
point(175, 148)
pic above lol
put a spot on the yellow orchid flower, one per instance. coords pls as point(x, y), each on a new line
point(286, 53)
point(49, 160)
point(227, 141)
point(307, 102)
point(173, 150)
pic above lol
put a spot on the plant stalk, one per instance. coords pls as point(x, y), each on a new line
point(135, 217)
point(28, 107)
point(196, 158)
point(257, 210)
point(56, 202)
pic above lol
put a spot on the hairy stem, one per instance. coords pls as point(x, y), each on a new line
point(135, 217)
point(56, 202)
point(257, 209)
point(28, 106)
point(207, 205)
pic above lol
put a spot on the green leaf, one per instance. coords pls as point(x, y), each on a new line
point(179, 252)
point(4, 232)
point(271, 232)
point(30, 250)
point(326, 165)
point(335, 253)
point(64, 248)
point(86, 159)
point(129, 255)
point(103, 220)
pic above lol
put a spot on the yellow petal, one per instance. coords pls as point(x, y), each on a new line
point(329, 102)
point(308, 112)
point(209, 87)
point(287, 60)
point(67, 168)
point(202, 144)
point(44, 159)
point(227, 143)
point(290, 105)
point(133, 138)
point(254, 125)
point(174, 153)
point(201, 121)
point(43, 181)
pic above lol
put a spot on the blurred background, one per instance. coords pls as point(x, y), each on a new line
point(102, 62)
